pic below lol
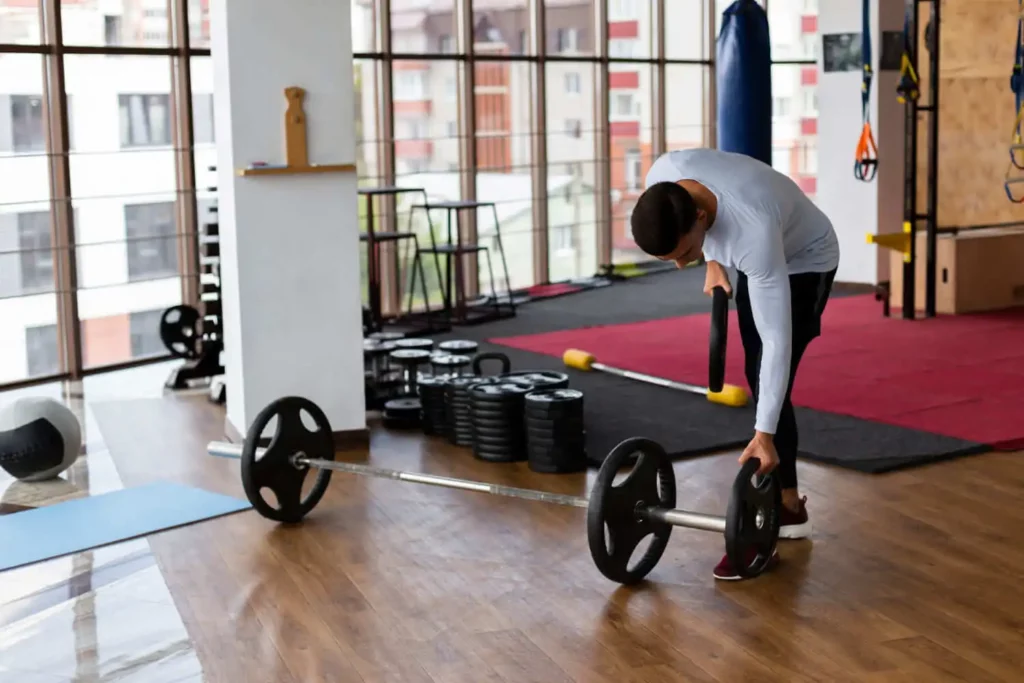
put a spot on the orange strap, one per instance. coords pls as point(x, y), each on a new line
point(866, 165)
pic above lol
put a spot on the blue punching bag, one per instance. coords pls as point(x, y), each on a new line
point(744, 81)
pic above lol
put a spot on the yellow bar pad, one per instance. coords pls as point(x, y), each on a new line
point(578, 360)
point(730, 395)
point(898, 241)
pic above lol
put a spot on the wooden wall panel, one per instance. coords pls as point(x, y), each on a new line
point(976, 112)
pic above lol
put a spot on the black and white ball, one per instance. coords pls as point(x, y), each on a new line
point(39, 438)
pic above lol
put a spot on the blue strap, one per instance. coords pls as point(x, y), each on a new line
point(1017, 77)
point(865, 51)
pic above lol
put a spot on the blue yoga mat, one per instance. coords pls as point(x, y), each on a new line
point(86, 523)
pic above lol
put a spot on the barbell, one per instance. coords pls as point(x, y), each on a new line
point(717, 390)
point(619, 516)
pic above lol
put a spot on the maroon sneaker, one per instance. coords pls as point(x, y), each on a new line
point(795, 524)
point(724, 571)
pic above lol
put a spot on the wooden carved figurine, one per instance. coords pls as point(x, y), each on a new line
point(295, 129)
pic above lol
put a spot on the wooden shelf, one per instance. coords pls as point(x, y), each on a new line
point(295, 152)
point(297, 170)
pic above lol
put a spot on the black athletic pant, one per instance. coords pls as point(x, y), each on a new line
point(809, 293)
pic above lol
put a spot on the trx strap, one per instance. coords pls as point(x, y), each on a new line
point(907, 90)
point(866, 165)
point(1017, 86)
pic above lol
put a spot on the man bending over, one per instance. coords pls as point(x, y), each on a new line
point(741, 213)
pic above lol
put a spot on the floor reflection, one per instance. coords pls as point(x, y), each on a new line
point(102, 615)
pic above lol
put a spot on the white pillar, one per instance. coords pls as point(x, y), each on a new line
point(289, 243)
point(855, 207)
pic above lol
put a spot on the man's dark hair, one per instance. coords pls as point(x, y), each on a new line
point(663, 214)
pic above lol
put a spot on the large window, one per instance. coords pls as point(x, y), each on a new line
point(151, 244)
point(557, 129)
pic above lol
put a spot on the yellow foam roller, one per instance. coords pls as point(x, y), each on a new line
point(730, 395)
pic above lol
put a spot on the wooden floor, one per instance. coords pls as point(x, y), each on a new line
point(911, 576)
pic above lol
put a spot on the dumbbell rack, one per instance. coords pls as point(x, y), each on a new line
point(208, 365)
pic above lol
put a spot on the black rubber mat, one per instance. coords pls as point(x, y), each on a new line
point(685, 424)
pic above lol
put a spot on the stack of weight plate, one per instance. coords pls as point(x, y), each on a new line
point(382, 380)
point(497, 417)
point(432, 399)
point(555, 437)
point(458, 409)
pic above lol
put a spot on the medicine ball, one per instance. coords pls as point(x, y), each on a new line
point(39, 438)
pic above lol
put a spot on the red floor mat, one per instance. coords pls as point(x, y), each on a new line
point(550, 290)
point(960, 376)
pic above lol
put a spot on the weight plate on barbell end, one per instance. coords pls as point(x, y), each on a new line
point(719, 337)
point(541, 379)
point(752, 520)
point(614, 529)
point(179, 331)
point(274, 469)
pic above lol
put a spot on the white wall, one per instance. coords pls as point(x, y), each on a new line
point(857, 208)
point(289, 244)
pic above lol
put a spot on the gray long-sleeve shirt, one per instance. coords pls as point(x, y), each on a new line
point(768, 229)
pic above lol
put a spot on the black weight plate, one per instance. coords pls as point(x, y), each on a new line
point(506, 364)
point(567, 444)
point(179, 331)
point(274, 468)
point(405, 408)
point(500, 440)
point(544, 467)
point(541, 379)
point(503, 392)
point(505, 430)
point(459, 346)
point(555, 396)
point(409, 357)
point(612, 518)
point(540, 437)
point(752, 520)
point(719, 336)
point(497, 453)
point(415, 343)
point(555, 454)
point(374, 349)
point(400, 422)
point(554, 426)
point(498, 407)
point(450, 361)
point(555, 413)
point(387, 336)
point(497, 424)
